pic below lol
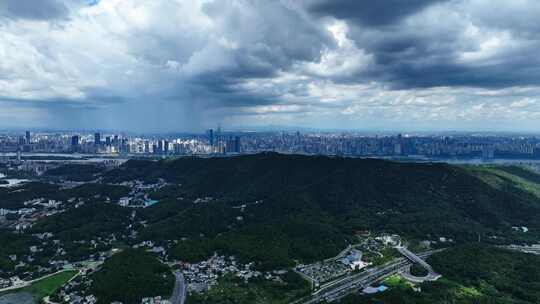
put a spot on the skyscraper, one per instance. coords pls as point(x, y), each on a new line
point(146, 146)
point(218, 139)
point(97, 139)
point(237, 144)
point(165, 147)
point(75, 143)
point(28, 137)
point(229, 145)
point(211, 137)
point(75, 140)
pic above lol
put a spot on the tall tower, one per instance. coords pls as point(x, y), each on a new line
point(211, 137)
point(237, 144)
point(75, 143)
point(219, 142)
point(75, 140)
point(97, 139)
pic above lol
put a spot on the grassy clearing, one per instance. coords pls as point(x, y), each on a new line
point(496, 176)
point(48, 286)
point(396, 281)
point(469, 292)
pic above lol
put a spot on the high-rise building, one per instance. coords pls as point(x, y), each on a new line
point(75, 140)
point(108, 141)
point(211, 137)
point(165, 147)
point(232, 145)
point(229, 145)
point(146, 146)
point(218, 140)
point(97, 139)
point(28, 138)
point(237, 144)
point(124, 146)
point(75, 143)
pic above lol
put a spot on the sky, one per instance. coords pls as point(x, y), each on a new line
point(187, 65)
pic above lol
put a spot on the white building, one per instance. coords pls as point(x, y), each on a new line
point(124, 201)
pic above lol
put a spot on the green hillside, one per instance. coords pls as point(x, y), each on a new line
point(130, 276)
point(309, 207)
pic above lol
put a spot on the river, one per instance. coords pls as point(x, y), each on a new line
point(13, 182)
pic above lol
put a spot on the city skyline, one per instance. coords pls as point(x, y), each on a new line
point(452, 147)
point(182, 66)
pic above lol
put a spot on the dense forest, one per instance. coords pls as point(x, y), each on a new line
point(130, 276)
point(14, 197)
point(307, 208)
point(12, 244)
point(277, 210)
point(76, 172)
point(274, 209)
point(91, 219)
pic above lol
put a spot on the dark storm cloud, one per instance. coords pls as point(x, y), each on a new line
point(427, 48)
point(406, 76)
point(370, 13)
point(223, 86)
point(251, 40)
point(269, 29)
point(270, 38)
point(33, 9)
point(226, 93)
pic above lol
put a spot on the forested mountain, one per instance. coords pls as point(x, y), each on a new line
point(308, 207)
point(280, 210)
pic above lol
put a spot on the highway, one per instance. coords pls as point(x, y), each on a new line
point(365, 279)
point(359, 281)
point(431, 276)
point(534, 249)
point(179, 292)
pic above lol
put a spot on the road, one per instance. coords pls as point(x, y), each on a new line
point(179, 292)
point(534, 249)
point(431, 276)
point(353, 283)
point(335, 292)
